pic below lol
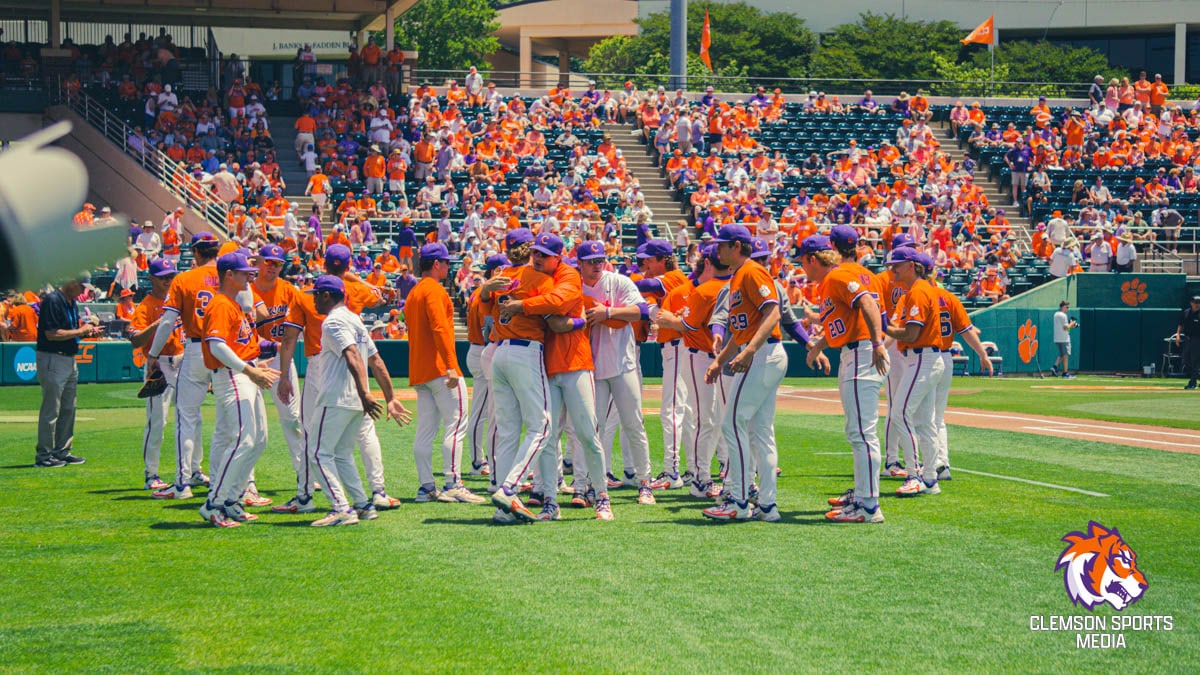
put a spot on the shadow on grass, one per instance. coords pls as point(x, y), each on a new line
point(788, 518)
point(473, 522)
point(118, 491)
point(18, 466)
point(198, 525)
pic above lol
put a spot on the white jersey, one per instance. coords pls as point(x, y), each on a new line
point(613, 350)
point(341, 329)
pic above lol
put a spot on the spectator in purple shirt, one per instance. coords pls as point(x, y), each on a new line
point(405, 282)
point(314, 221)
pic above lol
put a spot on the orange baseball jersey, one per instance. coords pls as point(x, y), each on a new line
point(568, 288)
point(475, 320)
point(224, 321)
point(842, 321)
point(526, 283)
point(190, 294)
point(952, 317)
point(920, 306)
point(865, 277)
point(890, 291)
point(303, 315)
point(430, 318)
point(571, 351)
point(674, 302)
point(699, 309)
point(147, 312)
point(278, 301)
point(673, 278)
point(750, 291)
point(359, 295)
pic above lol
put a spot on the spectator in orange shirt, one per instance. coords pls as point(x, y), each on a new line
point(22, 320)
point(125, 306)
point(1158, 95)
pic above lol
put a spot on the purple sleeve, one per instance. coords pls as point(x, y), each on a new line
point(649, 286)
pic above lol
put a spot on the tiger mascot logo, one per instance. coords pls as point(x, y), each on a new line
point(1099, 567)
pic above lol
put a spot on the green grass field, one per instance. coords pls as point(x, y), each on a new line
point(99, 576)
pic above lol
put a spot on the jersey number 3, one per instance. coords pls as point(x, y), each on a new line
point(202, 300)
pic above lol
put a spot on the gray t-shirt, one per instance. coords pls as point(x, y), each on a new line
point(1061, 332)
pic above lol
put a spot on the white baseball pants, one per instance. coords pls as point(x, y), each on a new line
point(239, 436)
point(610, 422)
point(480, 395)
point(191, 387)
point(674, 411)
point(941, 400)
point(573, 399)
point(157, 409)
point(438, 405)
point(893, 428)
point(331, 434)
point(289, 419)
point(521, 394)
point(917, 398)
point(858, 384)
point(624, 393)
point(749, 425)
point(704, 401)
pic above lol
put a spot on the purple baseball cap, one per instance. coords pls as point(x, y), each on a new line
point(434, 252)
point(272, 252)
point(904, 254)
point(759, 248)
point(328, 283)
point(655, 248)
point(731, 233)
point(519, 236)
point(204, 239)
point(494, 261)
point(815, 244)
point(843, 236)
point(710, 251)
point(161, 267)
point(235, 262)
point(338, 253)
point(590, 250)
point(548, 244)
point(926, 260)
point(901, 240)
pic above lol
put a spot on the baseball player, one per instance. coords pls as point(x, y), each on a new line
point(143, 325)
point(954, 321)
point(434, 373)
point(342, 398)
point(917, 328)
point(677, 411)
point(756, 357)
point(702, 399)
point(569, 367)
point(277, 296)
point(614, 351)
point(240, 432)
point(518, 379)
point(479, 328)
point(852, 322)
point(187, 300)
point(890, 294)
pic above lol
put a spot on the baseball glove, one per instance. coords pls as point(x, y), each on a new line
point(154, 386)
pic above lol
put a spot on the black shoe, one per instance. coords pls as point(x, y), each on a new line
point(49, 463)
point(68, 458)
point(568, 468)
point(1054, 370)
point(1191, 385)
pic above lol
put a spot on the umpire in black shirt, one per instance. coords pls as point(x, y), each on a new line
point(1189, 335)
point(58, 338)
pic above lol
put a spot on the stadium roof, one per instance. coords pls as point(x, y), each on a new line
point(349, 15)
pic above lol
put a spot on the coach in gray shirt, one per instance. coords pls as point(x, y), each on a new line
point(58, 338)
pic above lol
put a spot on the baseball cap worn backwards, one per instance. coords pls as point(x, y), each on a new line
point(338, 253)
point(815, 244)
point(434, 252)
point(498, 260)
point(519, 236)
point(843, 236)
point(655, 248)
point(204, 239)
point(328, 283)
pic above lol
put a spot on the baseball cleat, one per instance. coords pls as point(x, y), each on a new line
point(337, 518)
point(910, 488)
point(730, 511)
point(549, 512)
point(68, 458)
point(251, 497)
point(480, 469)
point(295, 505)
point(709, 490)
point(724, 468)
point(580, 499)
point(687, 477)
point(645, 494)
point(216, 516)
point(534, 499)
point(155, 483)
point(199, 478)
point(368, 512)
point(855, 513)
point(502, 517)
point(527, 486)
point(564, 489)
point(510, 502)
point(458, 494)
point(930, 488)
point(612, 481)
point(769, 513)
point(630, 479)
point(426, 494)
point(568, 468)
point(50, 463)
point(382, 501)
point(752, 495)
point(943, 473)
point(843, 500)
point(666, 481)
point(173, 492)
point(895, 471)
point(236, 512)
point(603, 508)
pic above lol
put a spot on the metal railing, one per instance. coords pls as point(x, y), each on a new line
point(172, 175)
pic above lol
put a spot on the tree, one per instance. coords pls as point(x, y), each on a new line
point(746, 42)
point(1047, 62)
point(882, 46)
point(450, 34)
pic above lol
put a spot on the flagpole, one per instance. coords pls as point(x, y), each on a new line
point(992, 56)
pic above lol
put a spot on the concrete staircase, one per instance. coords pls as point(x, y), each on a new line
point(639, 159)
point(283, 132)
point(996, 196)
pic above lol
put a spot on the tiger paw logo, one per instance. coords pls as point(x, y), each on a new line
point(1133, 292)
point(1027, 343)
point(1099, 567)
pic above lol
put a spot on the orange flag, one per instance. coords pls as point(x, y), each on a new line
point(705, 43)
point(984, 33)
